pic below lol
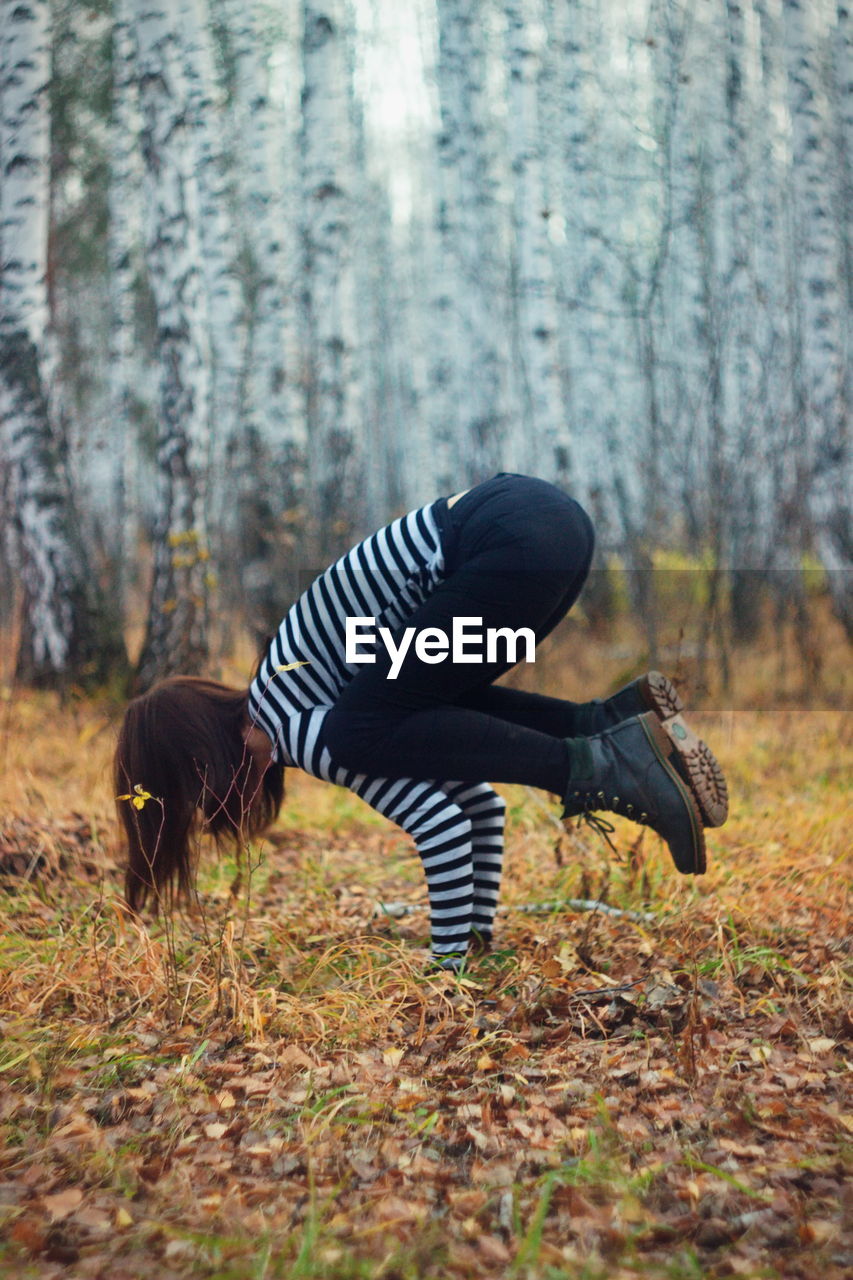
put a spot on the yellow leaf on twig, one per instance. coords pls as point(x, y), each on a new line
point(138, 797)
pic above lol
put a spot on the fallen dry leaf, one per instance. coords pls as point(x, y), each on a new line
point(63, 1203)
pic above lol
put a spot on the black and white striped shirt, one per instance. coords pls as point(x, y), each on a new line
point(457, 827)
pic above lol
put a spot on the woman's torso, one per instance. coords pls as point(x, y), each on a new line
point(384, 577)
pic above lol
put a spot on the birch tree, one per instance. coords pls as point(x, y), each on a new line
point(611, 130)
point(744, 428)
point(843, 45)
point(265, 458)
point(587, 294)
point(67, 630)
point(223, 304)
point(124, 249)
point(469, 306)
point(396, 90)
point(264, 82)
point(334, 391)
point(764, 476)
point(176, 636)
point(543, 416)
point(821, 376)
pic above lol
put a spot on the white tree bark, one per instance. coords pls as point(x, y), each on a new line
point(262, 123)
point(471, 309)
point(65, 633)
point(843, 46)
point(396, 73)
point(593, 329)
point(124, 247)
point(737, 215)
point(543, 412)
point(742, 330)
point(334, 389)
point(217, 242)
point(687, 332)
point(776, 468)
point(176, 636)
point(818, 255)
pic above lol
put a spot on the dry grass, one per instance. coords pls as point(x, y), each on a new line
point(270, 1087)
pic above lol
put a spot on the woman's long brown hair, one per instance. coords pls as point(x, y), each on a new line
point(181, 768)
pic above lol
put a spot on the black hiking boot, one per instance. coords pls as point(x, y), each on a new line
point(634, 774)
point(694, 760)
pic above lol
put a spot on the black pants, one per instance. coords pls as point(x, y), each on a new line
point(518, 551)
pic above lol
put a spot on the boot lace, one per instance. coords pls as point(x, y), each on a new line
point(594, 801)
point(595, 821)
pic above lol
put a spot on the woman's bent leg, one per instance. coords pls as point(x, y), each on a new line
point(485, 810)
point(515, 568)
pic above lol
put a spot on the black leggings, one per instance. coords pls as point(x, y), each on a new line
point(517, 552)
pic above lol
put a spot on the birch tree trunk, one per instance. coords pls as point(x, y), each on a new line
point(843, 46)
point(425, 461)
point(817, 249)
point(682, 282)
point(223, 302)
point(266, 457)
point(779, 470)
point(544, 420)
point(395, 73)
point(334, 391)
point(176, 637)
point(587, 294)
point(265, 143)
point(124, 248)
point(472, 309)
point(743, 331)
point(67, 632)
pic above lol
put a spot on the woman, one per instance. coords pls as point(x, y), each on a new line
point(365, 685)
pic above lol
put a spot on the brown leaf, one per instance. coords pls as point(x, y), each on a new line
point(252, 1085)
point(62, 1204)
point(393, 1209)
point(467, 1202)
point(29, 1234)
point(293, 1056)
point(480, 1140)
point(817, 1231)
point(97, 1220)
point(493, 1249)
point(749, 1150)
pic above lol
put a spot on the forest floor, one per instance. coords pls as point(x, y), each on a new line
point(272, 1087)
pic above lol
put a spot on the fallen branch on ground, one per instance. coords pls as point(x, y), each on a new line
point(399, 909)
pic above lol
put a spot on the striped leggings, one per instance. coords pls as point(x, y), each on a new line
point(458, 829)
point(517, 552)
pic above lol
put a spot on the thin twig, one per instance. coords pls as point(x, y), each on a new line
point(398, 909)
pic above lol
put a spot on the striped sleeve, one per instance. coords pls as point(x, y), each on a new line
point(387, 576)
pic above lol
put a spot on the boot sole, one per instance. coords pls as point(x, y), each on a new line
point(695, 760)
point(664, 749)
